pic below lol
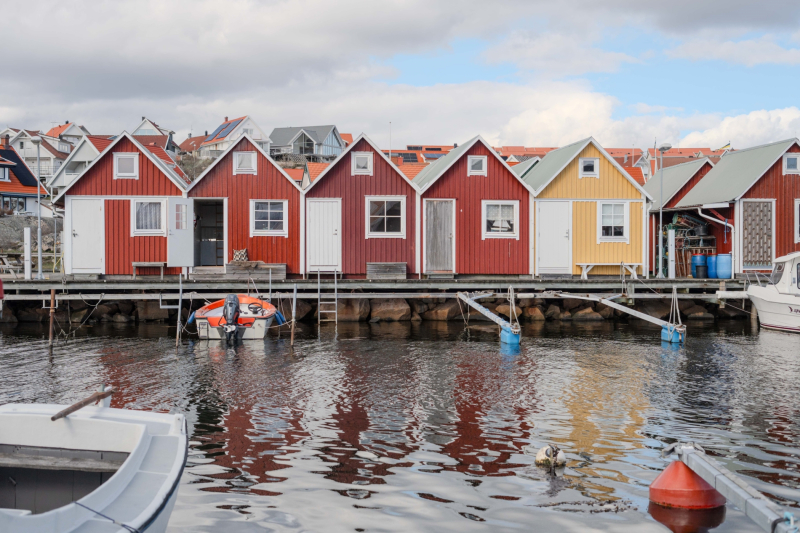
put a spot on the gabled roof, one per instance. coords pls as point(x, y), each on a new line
point(286, 136)
point(19, 169)
point(347, 138)
point(58, 130)
point(735, 173)
point(347, 150)
point(635, 173)
point(295, 173)
point(180, 181)
point(192, 143)
point(521, 168)
point(158, 128)
point(674, 177)
point(52, 149)
point(230, 148)
point(158, 140)
point(223, 130)
point(315, 169)
point(540, 175)
point(411, 170)
point(162, 154)
point(99, 142)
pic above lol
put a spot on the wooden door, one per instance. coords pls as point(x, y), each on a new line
point(439, 235)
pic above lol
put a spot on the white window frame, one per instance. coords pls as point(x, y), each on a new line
point(626, 227)
point(492, 235)
point(797, 221)
point(269, 232)
point(244, 171)
point(5, 175)
point(401, 234)
point(786, 156)
point(595, 174)
point(368, 171)
point(131, 176)
point(149, 232)
point(470, 159)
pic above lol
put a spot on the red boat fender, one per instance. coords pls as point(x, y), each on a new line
point(679, 486)
point(2, 292)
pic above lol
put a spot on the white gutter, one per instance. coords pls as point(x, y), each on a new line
point(733, 236)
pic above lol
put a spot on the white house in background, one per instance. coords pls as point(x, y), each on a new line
point(229, 132)
point(68, 131)
point(52, 154)
point(325, 142)
point(151, 134)
point(148, 127)
point(84, 153)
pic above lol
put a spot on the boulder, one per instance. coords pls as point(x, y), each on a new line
point(553, 312)
point(683, 305)
point(474, 314)
point(586, 314)
point(105, 317)
point(730, 312)
point(415, 317)
point(353, 310)
point(444, 311)
point(571, 303)
point(534, 313)
point(77, 305)
point(390, 309)
point(120, 318)
point(527, 302)
point(106, 309)
point(301, 311)
point(7, 316)
point(417, 305)
point(654, 308)
point(505, 310)
point(606, 313)
point(125, 307)
point(698, 313)
point(150, 310)
point(79, 316)
point(26, 314)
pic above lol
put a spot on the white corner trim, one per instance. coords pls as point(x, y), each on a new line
point(162, 232)
point(264, 232)
point(485, 161)
point(626, 228)
point(492, 235)
point(403, 218)
point(127, 176)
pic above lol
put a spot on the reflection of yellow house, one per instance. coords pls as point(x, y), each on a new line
point(589, 214)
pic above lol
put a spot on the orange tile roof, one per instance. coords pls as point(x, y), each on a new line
point(58, 130)
point(636, 173)
point(513, 163)
point(192, 143)
point(160, 153)
point(347, 137)
point(686, 152)
point(295, 173)
point(412, 169)
point(159, 140)
point(100, 143)
point(315, 169)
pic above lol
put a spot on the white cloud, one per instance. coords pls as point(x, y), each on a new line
point(757, 127)
point(749, 52)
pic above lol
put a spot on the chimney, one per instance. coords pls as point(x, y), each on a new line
point(397, 160)
point(626, 158)
point(66, 122)
point(5, 141)
point(226, 119)
point(455, 145)
point(206, 133)
point(142, 118)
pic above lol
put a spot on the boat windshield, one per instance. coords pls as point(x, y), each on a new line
point(777, 273)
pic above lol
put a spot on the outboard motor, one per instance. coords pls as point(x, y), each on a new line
point(230, 312)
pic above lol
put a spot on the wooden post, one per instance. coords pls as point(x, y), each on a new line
point(294, 307)
point(52, 314)
point(94, 398)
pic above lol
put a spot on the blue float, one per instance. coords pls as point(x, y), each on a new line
point(712, 266)
point(724, 266)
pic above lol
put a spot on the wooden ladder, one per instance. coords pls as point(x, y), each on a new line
point(328, 306)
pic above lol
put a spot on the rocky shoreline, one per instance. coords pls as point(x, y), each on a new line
point(76, 312)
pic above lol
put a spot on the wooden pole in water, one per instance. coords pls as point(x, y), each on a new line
point(294, 307)
point(52, 314)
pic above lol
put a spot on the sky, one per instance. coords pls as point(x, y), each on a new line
point(517, 72)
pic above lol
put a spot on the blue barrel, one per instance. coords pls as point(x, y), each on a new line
point(724, 266)
point(712, 266)
point(697, 259)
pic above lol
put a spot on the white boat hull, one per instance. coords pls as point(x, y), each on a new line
point(257, 331)
point(776, 310)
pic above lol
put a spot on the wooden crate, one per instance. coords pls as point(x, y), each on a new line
point(386, 271)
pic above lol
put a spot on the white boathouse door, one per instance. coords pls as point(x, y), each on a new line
point(180, 232)
point(554, 234)
point(87, 237)
point(324, 227)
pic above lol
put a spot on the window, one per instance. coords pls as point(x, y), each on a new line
point(589, 167)
point(16, 205)
point(777, 273)
point(21, 145)
point(181, 216)
point(386, 216)
point(126, 165)
point(361, 163)
point(500, 219)
point(63, 147)
point(244, 163)
point(612, 222)
point(791, 163)
point(147, 217)
point(476, 165)
point(4, 175)
point(268, 217)
point(409, 147)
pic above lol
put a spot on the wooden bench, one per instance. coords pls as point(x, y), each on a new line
point(587, 267)
point(148, 264)
point(386, 271)
point(10, 265)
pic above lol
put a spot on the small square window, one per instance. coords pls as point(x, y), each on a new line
point(476, 165)
point(361, 163)
point(147, 217)
point(385, 216)
point(589, 167)
point(126, 165)
point(500, 219)
point(613, 222)
point(269, 218)
point(4, 175)
point(791, 164)
point(21, 145)
point(244, 163)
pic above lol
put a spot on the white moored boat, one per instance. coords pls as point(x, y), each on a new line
point(778, 303)
point(234, 318)
point(96, 470)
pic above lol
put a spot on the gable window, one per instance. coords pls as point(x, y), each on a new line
point(500, 219)
point(361, 163)
point(386, 216)
point(147, 217)
point(126, 165)
point(476, 165)
point(303, 144)
point(612, 222)
point(589, 167)
point(4, 175)
point(269, 218)
point(244, 163)
point(791, 163)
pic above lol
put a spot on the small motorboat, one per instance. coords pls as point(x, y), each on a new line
point(778, 303)
point(97, 469)
point(236, 317)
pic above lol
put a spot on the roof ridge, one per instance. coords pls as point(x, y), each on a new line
point(734, 152)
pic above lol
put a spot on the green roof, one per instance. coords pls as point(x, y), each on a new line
point(735, 173)
point(674, 177)
point(429, 174)
point(537, 176)
point(521, 168)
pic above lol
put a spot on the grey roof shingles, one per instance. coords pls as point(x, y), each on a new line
point(675, 177)
point(735, 174)
point(432, 171)
point(284, 136)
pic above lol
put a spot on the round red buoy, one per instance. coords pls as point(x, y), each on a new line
point(687, 520)
point(679, 486)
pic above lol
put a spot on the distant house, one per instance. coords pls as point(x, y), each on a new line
point(347, 138)
point(148, 132)
point(52, 153)
point(18, 185)
point(84, 153)
point(651, 160)
point(192, 144)
point(315, 143)
point(69, 131)
point(228, 132)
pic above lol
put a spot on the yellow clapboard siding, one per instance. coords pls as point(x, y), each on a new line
point(586, 249)
point(610, 184)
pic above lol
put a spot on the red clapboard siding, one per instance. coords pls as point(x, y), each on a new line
point(99, 180)
point(268, 184)
point(122, 249)
point(694, 180)
point(785, 190)
point(357, 250)
point(474, 255)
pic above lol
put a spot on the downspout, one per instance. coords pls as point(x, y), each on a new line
point(733, 238)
